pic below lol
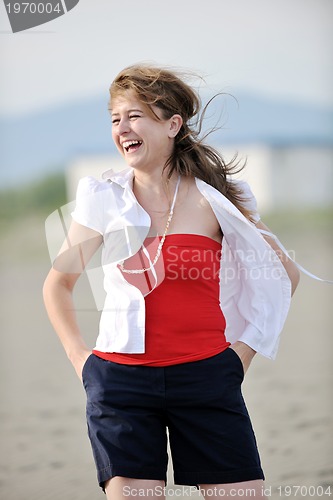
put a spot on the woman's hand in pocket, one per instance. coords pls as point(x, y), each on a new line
point(79, 360)
point(244, 352)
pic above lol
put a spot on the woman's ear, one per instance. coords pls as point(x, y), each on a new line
point(176, 122)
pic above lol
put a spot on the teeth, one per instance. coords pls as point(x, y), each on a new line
point(127, 144)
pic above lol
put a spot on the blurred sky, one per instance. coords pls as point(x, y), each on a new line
point(281, 48)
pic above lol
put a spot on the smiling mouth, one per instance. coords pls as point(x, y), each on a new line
point(131, 146)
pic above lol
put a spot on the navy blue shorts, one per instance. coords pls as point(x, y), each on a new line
point(130, 408)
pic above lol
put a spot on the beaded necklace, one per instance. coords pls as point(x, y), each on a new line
point(160, 246)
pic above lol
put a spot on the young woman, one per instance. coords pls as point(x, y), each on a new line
point(193, 291)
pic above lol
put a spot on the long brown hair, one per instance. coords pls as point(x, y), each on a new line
point(191, 157)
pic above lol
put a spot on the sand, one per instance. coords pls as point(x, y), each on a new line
point(45, 450)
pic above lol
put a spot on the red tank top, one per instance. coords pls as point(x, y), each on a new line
point(184, 321)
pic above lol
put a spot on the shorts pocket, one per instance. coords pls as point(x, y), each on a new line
point(238, 361)
point(85, 366)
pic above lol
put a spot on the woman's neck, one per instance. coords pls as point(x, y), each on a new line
point(155, 183)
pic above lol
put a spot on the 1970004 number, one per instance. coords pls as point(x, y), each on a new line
point(33, 7)
point(305, 491)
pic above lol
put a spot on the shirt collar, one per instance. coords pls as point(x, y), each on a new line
point(123, 178)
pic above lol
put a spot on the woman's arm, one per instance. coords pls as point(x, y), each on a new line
point(80, 245)
point(288, 264)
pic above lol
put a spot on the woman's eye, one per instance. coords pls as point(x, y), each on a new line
point(115, 121)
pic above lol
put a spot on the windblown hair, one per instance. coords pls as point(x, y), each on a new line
point(154, 86)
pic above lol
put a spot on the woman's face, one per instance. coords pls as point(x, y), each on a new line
point(145, 142)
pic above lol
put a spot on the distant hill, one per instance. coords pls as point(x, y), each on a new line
point(44, 142)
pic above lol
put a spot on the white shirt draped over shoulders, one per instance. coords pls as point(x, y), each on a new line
point(255, 290)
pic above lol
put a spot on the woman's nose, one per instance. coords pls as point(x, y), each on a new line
point(123, 127)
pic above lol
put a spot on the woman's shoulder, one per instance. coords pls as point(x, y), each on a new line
point(101, 194)
point(91, 188)
point(89, 185)
point(249, 199)
point(242, 186)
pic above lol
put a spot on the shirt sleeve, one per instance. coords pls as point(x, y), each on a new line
point(89, 207)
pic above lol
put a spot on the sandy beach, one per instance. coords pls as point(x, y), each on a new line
point(45, 450)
